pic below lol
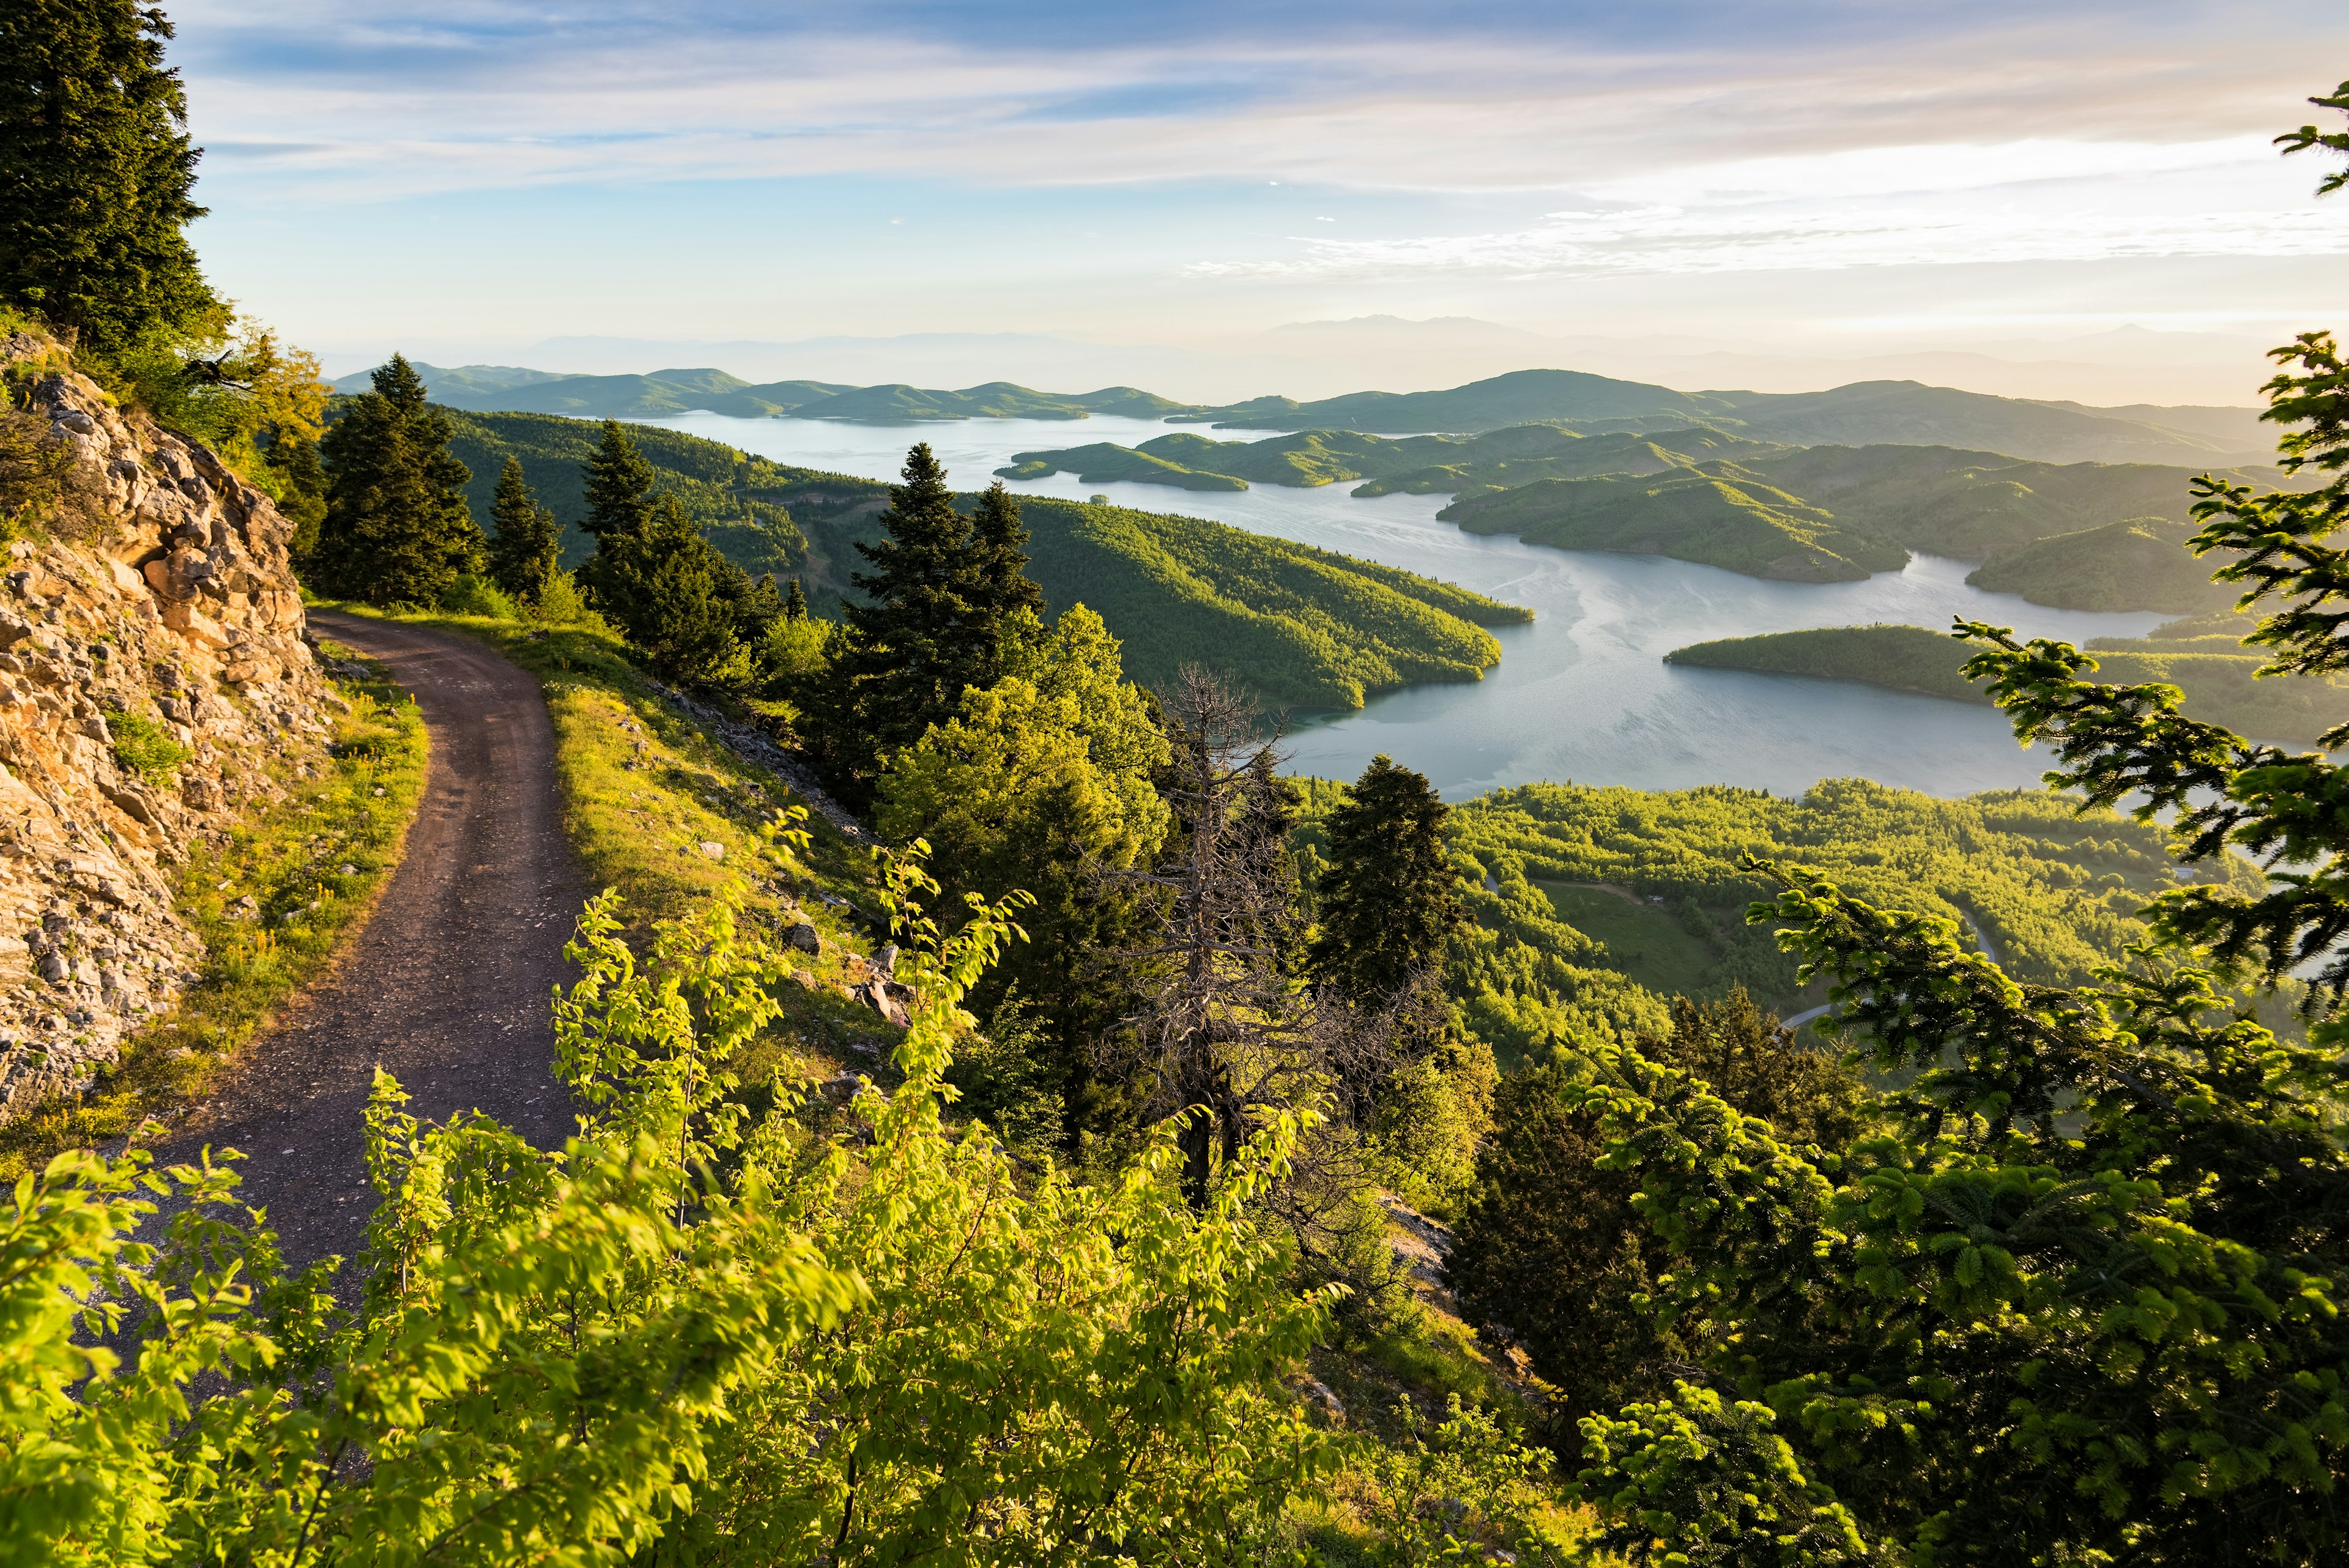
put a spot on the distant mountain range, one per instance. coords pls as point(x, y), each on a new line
point(1864, 413)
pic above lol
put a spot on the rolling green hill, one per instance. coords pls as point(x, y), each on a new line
point(1910, 413)
point(2140, 563)
point(1703, 516)
point(722, 489)
point(2219, 685)
point(1418, 465)
point(1520, 397)
point(1304, 627)
point(484, 389)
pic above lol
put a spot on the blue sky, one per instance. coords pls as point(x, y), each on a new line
point(1829, 176)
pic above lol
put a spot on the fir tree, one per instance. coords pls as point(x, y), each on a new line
point(526, 544)
point(910, 655)
point(795, 602)
point(1387, 901)
point(1000, 588)
point(396, 529)
point(96, 173)
point(619, 487)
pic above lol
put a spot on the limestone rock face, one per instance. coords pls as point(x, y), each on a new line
point(163, 593)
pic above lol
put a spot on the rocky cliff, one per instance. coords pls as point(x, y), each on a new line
point(154, 681)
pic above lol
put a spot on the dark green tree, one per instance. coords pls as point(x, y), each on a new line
point(620, 488)
point(97, 176)
point(525, 541)
point(1386, 902)
point(397, 528)
point(1000, 587)
point(795, 602)
point(928, 628)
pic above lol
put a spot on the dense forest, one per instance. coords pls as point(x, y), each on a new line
point(1004, 1174)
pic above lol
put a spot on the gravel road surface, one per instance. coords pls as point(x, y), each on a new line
point(447, 985)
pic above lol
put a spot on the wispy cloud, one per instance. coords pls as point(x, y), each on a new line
point(1668, 239)
point(366, 99)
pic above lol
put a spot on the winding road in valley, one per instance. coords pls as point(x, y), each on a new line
point(446, 985)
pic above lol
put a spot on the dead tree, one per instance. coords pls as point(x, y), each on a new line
point(1216, 1026)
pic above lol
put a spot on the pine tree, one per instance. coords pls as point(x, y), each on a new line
point(909, 654)
point(795, 603)
point(1387, 901)
point(619, 487)
point(396, 529)
point(95, 176)
point(525, 545)
point(1000, 588)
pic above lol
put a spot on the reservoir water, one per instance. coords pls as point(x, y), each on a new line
point(1582, 692)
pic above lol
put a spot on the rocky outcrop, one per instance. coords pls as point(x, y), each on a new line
point(156, 612)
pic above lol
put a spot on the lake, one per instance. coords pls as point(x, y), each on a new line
point(1582, 693)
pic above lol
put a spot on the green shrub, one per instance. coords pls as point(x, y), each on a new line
point(144, 747)
point(470, 595)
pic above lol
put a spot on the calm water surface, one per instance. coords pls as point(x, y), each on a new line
point(1581, 694)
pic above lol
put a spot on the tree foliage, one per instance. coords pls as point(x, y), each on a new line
point(525, 538)
point(396, 529)
point(96, 178)
point(689, 1336)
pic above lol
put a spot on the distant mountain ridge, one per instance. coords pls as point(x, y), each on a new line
point(1863, 413)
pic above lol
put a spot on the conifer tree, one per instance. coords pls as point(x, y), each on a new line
point(525, 543)
point(96, 173)
point(396, 529)
point(1000, 587)
point(1387, 901)
point(670, 592)
point(795, 602)
point(619, 487)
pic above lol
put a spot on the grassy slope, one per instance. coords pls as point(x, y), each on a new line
point(288, 856)
point(2218, 683)
point(719, 486)
point(1742, 525)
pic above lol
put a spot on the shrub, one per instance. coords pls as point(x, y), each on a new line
point(471, 595)
point(144, 747)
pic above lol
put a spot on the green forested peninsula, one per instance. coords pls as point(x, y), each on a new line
point(2139, 562)
point(2218, 677)
point(1418, 465)
point(1744, 525)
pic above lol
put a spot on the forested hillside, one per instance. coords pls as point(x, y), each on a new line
point(1595, 905)
point(2217, 676)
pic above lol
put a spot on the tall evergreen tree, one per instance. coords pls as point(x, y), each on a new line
point(1000, 587)
point(1387, 899)
point(526, 540)
point(396, 529)
point(96, 173)
point(619, 487)
point(795, 602)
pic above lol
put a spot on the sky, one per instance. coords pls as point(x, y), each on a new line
point(1780, 184)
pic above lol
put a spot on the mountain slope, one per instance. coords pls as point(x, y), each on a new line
point(1717, 517)
point(1522, 396)
point(1869, 413)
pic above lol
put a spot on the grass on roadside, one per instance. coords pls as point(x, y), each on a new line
point(313, 860)
point(646, 797)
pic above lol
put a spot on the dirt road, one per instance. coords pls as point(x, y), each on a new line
point(447, 986)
